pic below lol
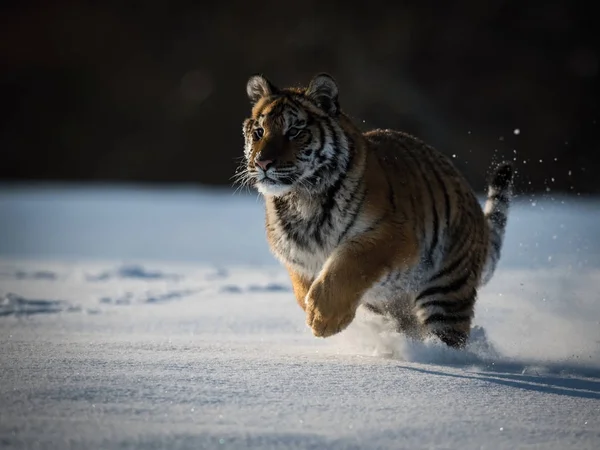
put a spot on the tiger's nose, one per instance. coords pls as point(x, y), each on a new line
point(264, 164)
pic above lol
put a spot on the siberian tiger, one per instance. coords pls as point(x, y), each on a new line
point(377, 218)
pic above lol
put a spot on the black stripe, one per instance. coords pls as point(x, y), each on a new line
point(331, 193)
point(447, 270)
point(281, 206)
point(464, 230)
point(289, 223)
point(391, 192)
point(318, 234)
point(443, 318)
point(293, 234)
point(322, 141)
point(436, 224)
point(277, 108)
point(418, 228)
point(294, 261)
point(286, 179)
point(292, 112)
point(335, 141)
point(321, 135)
point(413, 166)
point(327, 131)
point(446, 289)
point(325, 166)
point(354, 214)
point(446, 196)
point(329, 202)
point(459, 246)
point(451, 306)
point(351, 155)
point(374, 309)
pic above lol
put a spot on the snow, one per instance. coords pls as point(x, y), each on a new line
point(156, 318)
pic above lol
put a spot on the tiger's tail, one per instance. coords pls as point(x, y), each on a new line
point(496, 215)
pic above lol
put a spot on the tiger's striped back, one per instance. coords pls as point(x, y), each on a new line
point(377, 218)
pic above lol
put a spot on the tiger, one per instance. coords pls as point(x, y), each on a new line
point(377, 218)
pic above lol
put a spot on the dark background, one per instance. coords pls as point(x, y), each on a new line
point(154, 91)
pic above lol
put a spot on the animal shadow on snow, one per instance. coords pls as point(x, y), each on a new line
point(547, 384)
point(549, 377)
point(479, 361)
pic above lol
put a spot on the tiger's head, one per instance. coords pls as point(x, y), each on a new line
point(293, 140)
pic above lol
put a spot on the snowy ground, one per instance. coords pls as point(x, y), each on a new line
point(158, 319)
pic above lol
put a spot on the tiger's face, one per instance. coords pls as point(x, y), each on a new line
point(292, 137)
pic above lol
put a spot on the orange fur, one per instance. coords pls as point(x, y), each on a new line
point(300, 285)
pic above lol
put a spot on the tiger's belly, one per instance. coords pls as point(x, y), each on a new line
point(393, 289)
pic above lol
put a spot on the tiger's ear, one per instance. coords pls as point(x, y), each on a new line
point(259, 87)
point(323, 91)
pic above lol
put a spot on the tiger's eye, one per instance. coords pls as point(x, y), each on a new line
point(258, 134)
point(293, 132)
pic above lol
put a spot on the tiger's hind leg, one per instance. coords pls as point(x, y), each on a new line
point(406, 322)
point(447, 312)
point(400, 313)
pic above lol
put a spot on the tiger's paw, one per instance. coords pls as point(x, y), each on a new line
point(325, 327)
point(325, 315)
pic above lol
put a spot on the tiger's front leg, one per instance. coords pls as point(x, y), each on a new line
point(350, 271)
point(300, 284)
